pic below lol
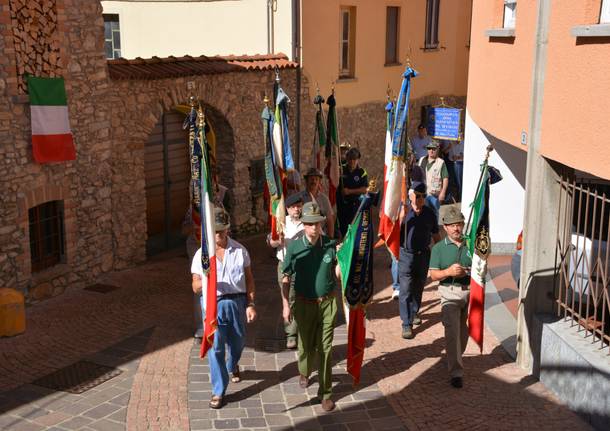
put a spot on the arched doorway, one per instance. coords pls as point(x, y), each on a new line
point(167, 173)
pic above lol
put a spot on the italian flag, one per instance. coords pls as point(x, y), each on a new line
point(52, 139)
point(479, 246)
point(389, 225)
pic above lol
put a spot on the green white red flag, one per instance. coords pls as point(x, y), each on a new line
point(52, 139)
point(479, 246)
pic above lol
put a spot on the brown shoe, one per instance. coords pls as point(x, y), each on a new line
point(303, 381)
point(216, 402)
point(328, 405)
point(235, 376)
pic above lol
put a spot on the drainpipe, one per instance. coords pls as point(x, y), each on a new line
point(296, 56)
point(271, 6)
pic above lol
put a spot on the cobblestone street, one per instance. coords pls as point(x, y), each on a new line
point(143, 328)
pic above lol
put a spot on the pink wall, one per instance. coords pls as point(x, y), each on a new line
point(576, 106)
point(576, 119)
point(499, 80)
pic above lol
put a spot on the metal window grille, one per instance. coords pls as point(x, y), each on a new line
point(432, 13)
point(112, 36)
point(582, 258)
point(391, 35)
point(47, 237)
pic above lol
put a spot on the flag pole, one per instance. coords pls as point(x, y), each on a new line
point(489, 149)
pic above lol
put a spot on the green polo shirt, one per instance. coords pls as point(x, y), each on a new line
point(445, 253)
point(311, 266)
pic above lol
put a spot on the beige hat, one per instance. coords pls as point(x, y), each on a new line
point(221, 220)
point(450, 214)
point(311, 213)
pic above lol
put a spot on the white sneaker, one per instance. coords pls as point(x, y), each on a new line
point(395, 295)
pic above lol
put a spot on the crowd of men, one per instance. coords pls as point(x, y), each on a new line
point(307, 270)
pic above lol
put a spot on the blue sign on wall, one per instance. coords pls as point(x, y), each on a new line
point(444, 123)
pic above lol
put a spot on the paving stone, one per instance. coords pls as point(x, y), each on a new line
point(381, 413)
point(223, 424)
point(232, 413)
point(278, 420)
point(51, 418)
point(360, 426)
point(250, 403)
point(201, 424)
point(255, 412)
point(75, 423)
point(106, 425)
point(119, 415)
point(274, 408)
point(101, 411)
point(203, 413)
point(254, 422)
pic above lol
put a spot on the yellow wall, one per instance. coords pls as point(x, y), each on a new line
point(441, 72)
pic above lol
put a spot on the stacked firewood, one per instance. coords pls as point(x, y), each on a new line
point(36, 39)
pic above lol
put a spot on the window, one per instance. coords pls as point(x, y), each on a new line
point(604, 16)
point(112, 36)
point(510, 10)
point(348, 43)
point(432, 7)
point(391, 34)
point(47, 237)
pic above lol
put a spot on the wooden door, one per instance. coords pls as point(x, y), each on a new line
point(167, 174)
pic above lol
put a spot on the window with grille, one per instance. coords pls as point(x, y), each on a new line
point(432, 12)
point(391, 34)
point(510, 13)
point(604, 16)
point(47, 237)
point(348, 42)
point(112, 36)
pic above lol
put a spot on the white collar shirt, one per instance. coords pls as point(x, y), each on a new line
point(292, 230)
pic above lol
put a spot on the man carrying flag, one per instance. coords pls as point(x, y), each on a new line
point(234, 305)
point(450, 264)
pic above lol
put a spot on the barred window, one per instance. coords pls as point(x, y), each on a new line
point(391, 34)
point(47, 237)
point(112, 36)
point(432, 13)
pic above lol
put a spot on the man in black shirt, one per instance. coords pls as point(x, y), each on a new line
point(417, 228)
point(354, 182)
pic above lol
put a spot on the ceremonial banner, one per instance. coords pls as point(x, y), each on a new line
point(333, 164)
point(389, 224)
point(355, 258)
point(319, 138)
point(52, 139)
point(208, 241)
point(479, 246)
point(444, 123)
point(273, 178)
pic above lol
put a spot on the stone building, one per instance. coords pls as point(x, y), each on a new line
point(63, 224)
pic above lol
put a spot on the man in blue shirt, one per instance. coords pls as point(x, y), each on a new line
point(417, 228)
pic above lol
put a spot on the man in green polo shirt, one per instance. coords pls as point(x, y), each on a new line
point(450, 264)
point(312, 262)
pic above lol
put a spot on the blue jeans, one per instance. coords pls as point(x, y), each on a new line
point(458, 172)
point(434, 204)
point(199, 314)
point(395, 283)
point(231, 332)
point(413, 272)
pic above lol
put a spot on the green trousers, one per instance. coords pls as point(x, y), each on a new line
point(289, 328)
point(315, 326)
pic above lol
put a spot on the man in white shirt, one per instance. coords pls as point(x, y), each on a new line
point(313, 184)
point(235, 305)
point(292, 231)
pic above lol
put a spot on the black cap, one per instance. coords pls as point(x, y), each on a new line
point(294, 199)
point(352, 154)
point(418, 187)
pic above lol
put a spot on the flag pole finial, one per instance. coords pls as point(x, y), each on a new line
point(277, 74)
point(266, 100)
point(192, 101)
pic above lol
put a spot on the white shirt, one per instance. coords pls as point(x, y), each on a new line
point(419, 146)
point(292, 230)
point(456, 151)
point(230, 272)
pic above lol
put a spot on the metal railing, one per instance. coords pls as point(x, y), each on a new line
point(582, 258)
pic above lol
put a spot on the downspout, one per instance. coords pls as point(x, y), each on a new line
point(296, 56)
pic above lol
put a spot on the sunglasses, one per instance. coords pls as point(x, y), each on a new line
point(420, 195)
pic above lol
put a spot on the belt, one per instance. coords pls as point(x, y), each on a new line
point(319, 300)
point(416, 252)
point(457, 286)
point(231, 296)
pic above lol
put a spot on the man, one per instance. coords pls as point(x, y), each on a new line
point(417, 228)
point(455, 165)
point(344, 148)
point(293, 230)
point(354, 182)
point(450, 265)
point(310, 261)
point(437, 176)
point(413, 173)
point(235, 305)
point(420, 141)
point(313, 184)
